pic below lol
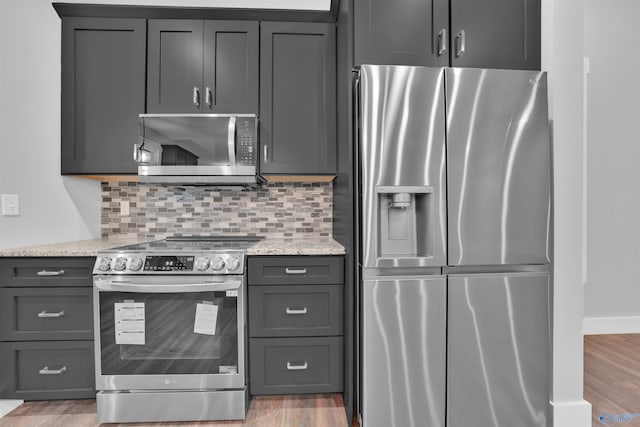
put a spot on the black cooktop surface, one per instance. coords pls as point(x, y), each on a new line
point(194, 243)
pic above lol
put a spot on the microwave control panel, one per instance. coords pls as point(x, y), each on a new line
point(247, 141)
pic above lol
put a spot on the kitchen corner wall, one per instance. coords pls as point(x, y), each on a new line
point(278, 210)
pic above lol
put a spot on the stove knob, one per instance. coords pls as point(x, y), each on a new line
point(233, 263)
point(120, 264)
point(105, 264)
point(202, 263)
point(218, 264)
point(136, 264)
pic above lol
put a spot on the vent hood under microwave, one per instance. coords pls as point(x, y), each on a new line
point(215, 149)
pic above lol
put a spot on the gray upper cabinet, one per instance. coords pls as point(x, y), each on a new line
point(481, 33)
point(495, 34)
point(103, 79)
point(298, 98)
point(202, 66)
point(401, 32)
point(231, 66)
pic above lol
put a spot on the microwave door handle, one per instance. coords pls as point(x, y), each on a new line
point(163, 288)
point(231, 141)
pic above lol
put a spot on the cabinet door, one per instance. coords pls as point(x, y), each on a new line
point(103, 75)
point(499, 350)
point(401, 32)
point(297, 98)
point(497, 34)
point(230, 67)
point(174, 75)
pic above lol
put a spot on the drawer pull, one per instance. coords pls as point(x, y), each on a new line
point(51, 273)
point(45, 314)
point(297, 367)
point(47, 371)
point(296, 310)
point(294, 271)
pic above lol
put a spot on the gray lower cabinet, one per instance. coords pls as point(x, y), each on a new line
point(103, 91)
point(460, 33)
point(197, 66)
point(295, 365)
point(46, 328)
point(296, 342)
point(298, 98)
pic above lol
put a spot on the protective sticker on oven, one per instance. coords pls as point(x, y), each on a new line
point(206, 318)
point(129, 322)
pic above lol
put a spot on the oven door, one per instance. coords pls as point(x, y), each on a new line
point(169, 332)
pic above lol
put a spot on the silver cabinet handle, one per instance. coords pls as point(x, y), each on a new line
point(266, 153)
point(196, 96)
point(297, 367)
point(442, 41)
point(296, 310)
point(44, 314)
point(51, 273)
point(208, 96)
point(47, 371)
point(460, 44)
point(293, 271)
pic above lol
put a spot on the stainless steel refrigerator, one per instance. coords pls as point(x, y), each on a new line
point(454, 207)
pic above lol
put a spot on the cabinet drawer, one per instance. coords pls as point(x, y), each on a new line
point(47, 370)
point(67, 271)
point(296, 270)
point(295, 365)
point(46, 314)
point(296, 310)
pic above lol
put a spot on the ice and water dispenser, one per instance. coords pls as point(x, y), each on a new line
point(405, 221)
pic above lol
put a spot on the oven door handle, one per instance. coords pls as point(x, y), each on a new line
point(164, 288)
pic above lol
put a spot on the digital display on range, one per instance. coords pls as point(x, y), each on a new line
point(168, 263)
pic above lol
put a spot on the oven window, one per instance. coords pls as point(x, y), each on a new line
point(172, 333)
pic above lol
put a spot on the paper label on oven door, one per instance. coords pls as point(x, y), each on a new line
point(206, 319)
point(129, 322)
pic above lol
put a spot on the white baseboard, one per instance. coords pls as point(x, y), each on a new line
point(7, 406)
point(611, 325)
point(571, 414)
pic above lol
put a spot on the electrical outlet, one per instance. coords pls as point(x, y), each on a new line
point(10, 205)
point(124, 208)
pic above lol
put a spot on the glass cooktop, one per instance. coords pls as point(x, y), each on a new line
point(194, 243)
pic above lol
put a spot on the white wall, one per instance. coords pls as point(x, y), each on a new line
point(612, 294)
point(53, 208)
point(562, 40)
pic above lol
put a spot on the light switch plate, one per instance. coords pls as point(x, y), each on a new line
point(10, 205)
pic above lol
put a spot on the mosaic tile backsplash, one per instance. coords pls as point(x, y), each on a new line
point(278, 210)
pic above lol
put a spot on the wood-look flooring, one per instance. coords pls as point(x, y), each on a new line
point(612, 378)
point(318, 410)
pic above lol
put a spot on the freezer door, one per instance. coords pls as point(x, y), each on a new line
point(402, 164)
point(499, 350)
point(403, 352)
point(498, 167)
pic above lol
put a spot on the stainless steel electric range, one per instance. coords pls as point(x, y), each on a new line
point(170, 330)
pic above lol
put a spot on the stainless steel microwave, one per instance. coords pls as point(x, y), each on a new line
point(216, 149)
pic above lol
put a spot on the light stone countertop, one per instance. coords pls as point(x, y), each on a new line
point(268, 246)
point(74, 248)
point(307, 246)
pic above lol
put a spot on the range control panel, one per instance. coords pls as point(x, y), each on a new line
point(227, 262)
